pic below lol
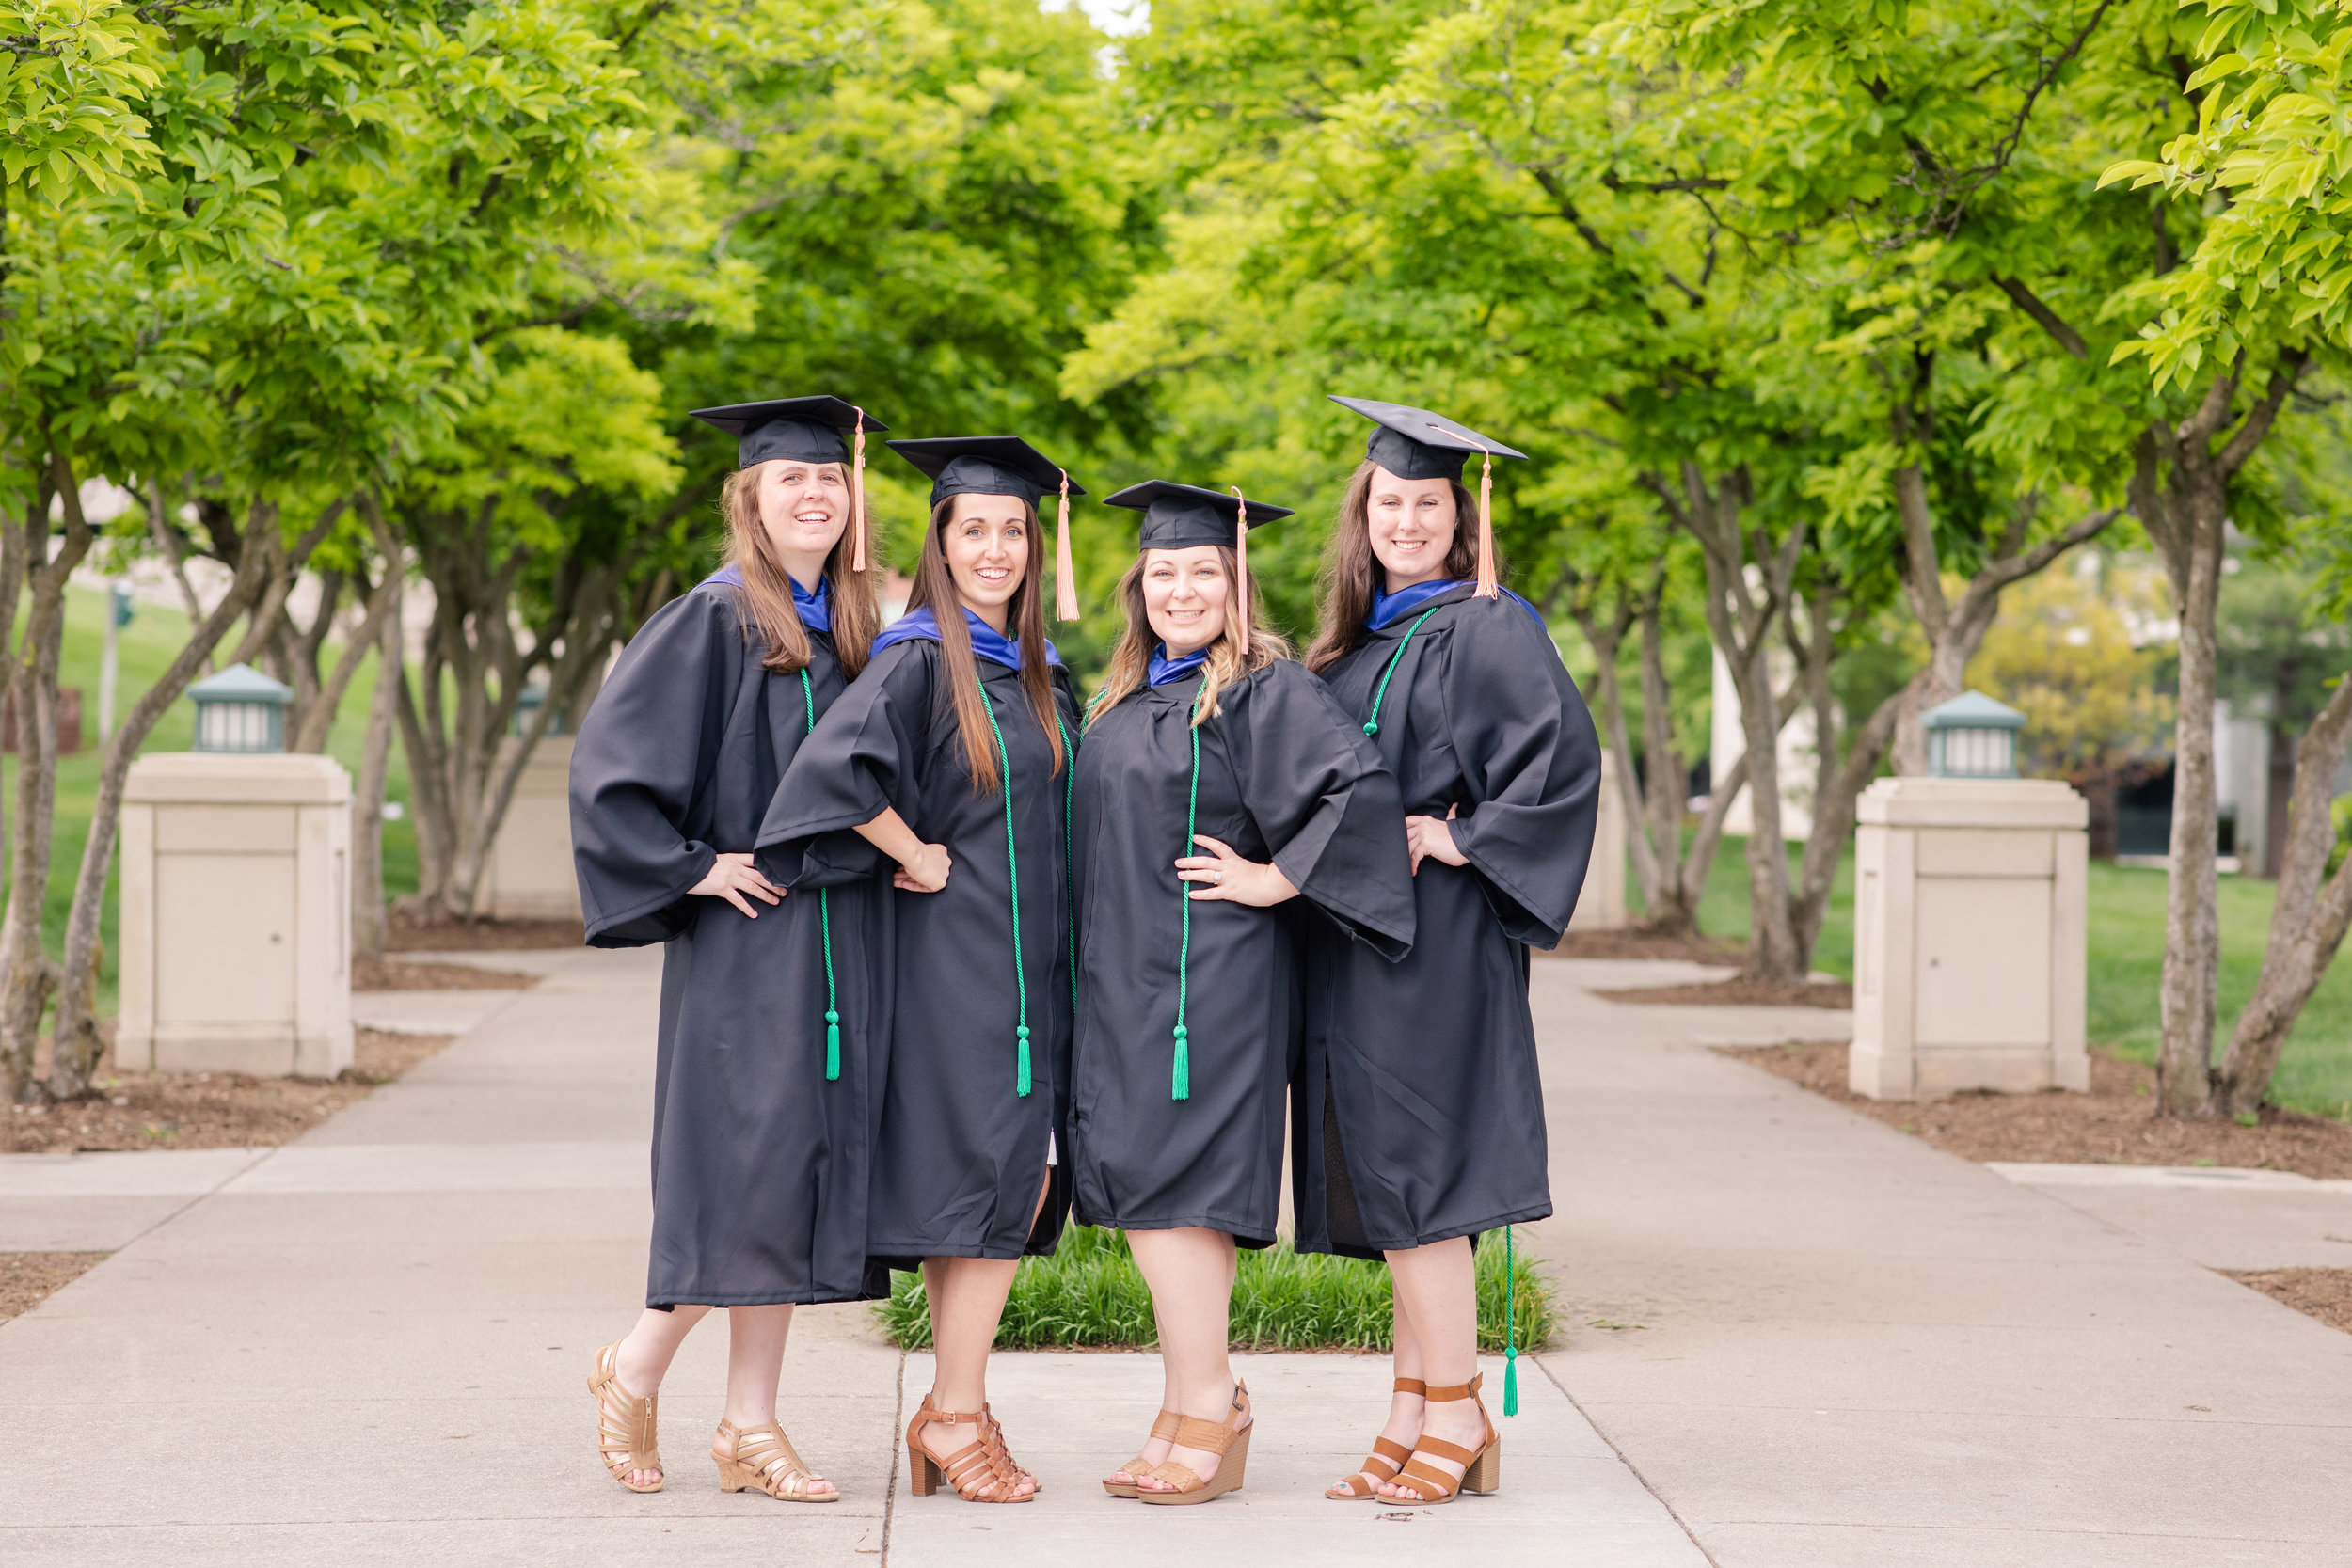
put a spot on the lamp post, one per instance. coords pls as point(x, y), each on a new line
point(241, 709)
point(1972, 736)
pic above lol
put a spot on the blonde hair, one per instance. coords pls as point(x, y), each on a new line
point(766, 596)
point(1131, 661)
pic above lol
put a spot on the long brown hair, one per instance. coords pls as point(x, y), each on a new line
point(1351, 574)
point(1131, 661)
point(766, 597)
point(935, 586)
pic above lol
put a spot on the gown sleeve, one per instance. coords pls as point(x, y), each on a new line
point(861, 760)
point(648, 744)
point(1322, 800)
point(1532, 760)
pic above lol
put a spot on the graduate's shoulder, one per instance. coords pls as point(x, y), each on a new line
point(1504, 626)
point(1284, 691)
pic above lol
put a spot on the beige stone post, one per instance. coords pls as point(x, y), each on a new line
point(236, 915)
point(1969, 938)
point(529, 873)
point(1601, 906)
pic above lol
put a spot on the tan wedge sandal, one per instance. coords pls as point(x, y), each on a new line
point(1481, 1466)
point(1229, 1439)
point(1387, 1456)
point(761, 1458)
point(624, 1423)
point(982, 1471)
point(1162, 1425)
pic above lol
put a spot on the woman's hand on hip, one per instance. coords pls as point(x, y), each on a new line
point(1429, 838)
point(925, 871)
point(1225, 877)
point(732, 875)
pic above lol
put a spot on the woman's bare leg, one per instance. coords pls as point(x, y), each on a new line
point(1436, 1287)
point(645, 1360)
point(755, 1341)
point(1191, 1274)
point(967, 1297)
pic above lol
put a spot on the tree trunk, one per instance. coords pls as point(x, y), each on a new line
point(17, 953)
point(2279, 786)
point(369, 932)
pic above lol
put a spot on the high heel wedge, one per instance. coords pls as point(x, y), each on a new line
point(1162, 1425)
point(1229, 1439)
point(1388, 1457)
point(761, 1458)
point(626, 1424)
point(982, 1471)
point(1481, 1466)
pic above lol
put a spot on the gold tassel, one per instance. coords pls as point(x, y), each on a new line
point(857, 497)
point(1065, 576)
point(1241, 569)
point(1487, 586)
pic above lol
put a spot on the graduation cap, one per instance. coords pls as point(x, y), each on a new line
point(803, 430)
point(1001, 466)
point(1179, 516)
point(1414, 443)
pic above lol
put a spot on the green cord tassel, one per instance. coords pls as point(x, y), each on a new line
point(832, 1045)
point(1510, 1337)
point(1180, 1082)
point(1022, 1086)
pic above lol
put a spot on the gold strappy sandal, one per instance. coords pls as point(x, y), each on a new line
point(624, 1423)
point(1481, 1466)
point(761, 1458)
point(1388, 1455)
point(1162, 1425)
point(982, 1471)
point(1229, 1439)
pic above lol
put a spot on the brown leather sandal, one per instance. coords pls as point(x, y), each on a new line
point(624, 1423)
point(1162, 1425)
point(982, 1471)
point(1229, 1439)
point(994, 1430)
point(1481, 1466)
point(761, 1458)
point(1388, 1454)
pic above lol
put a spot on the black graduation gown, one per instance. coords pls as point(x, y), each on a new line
point(1285, 777)
point(1432, 1124)
point(760, 1163)
point(961, 1153)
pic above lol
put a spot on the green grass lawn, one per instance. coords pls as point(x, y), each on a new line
point(146, 647)
point(2126, 959)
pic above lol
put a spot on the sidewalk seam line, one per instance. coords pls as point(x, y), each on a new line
point(1631, 1469)
point(890, 1489)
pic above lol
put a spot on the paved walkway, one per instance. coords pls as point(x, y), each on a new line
point(369, 1347)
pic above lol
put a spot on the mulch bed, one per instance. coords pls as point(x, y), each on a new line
point(208, 1109)
point(410, 935)
point(1740, 990)
point(370, 972)
point(27, 1277)
point(2322, 1293)
point(1635, 942)
point(2110, 1125)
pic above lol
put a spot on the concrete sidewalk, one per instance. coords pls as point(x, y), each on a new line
point(370, 1346)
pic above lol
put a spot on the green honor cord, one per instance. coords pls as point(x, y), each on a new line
point(1012, 870)
point(1510, 1337)
point(1180, 1078)
point(824, 921)
point(1372, 725)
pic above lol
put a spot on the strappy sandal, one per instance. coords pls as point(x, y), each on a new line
point(1481, 1466)
point(1388, 1455)
point(1229, 1439)
point(982, 1471)
point(624, 1423)
point(1162, 1425)
point(994, 1430)
point(761, 1458)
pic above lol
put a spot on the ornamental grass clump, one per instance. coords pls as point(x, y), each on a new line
point(1090, 1294)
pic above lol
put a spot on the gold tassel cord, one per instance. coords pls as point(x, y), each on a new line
point(1487, 586)
point(1241, 568)
point(1065, 576)
point(857, 496)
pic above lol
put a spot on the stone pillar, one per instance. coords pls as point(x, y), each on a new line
point(529, 873)
point(1969, 938)
point(236, 915)
point(1600, 907)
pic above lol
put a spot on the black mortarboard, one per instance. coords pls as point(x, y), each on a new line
point(1413, 443)
point(798, 430)
point(1001, 466)
point(803, 430)
point(1178, 516)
